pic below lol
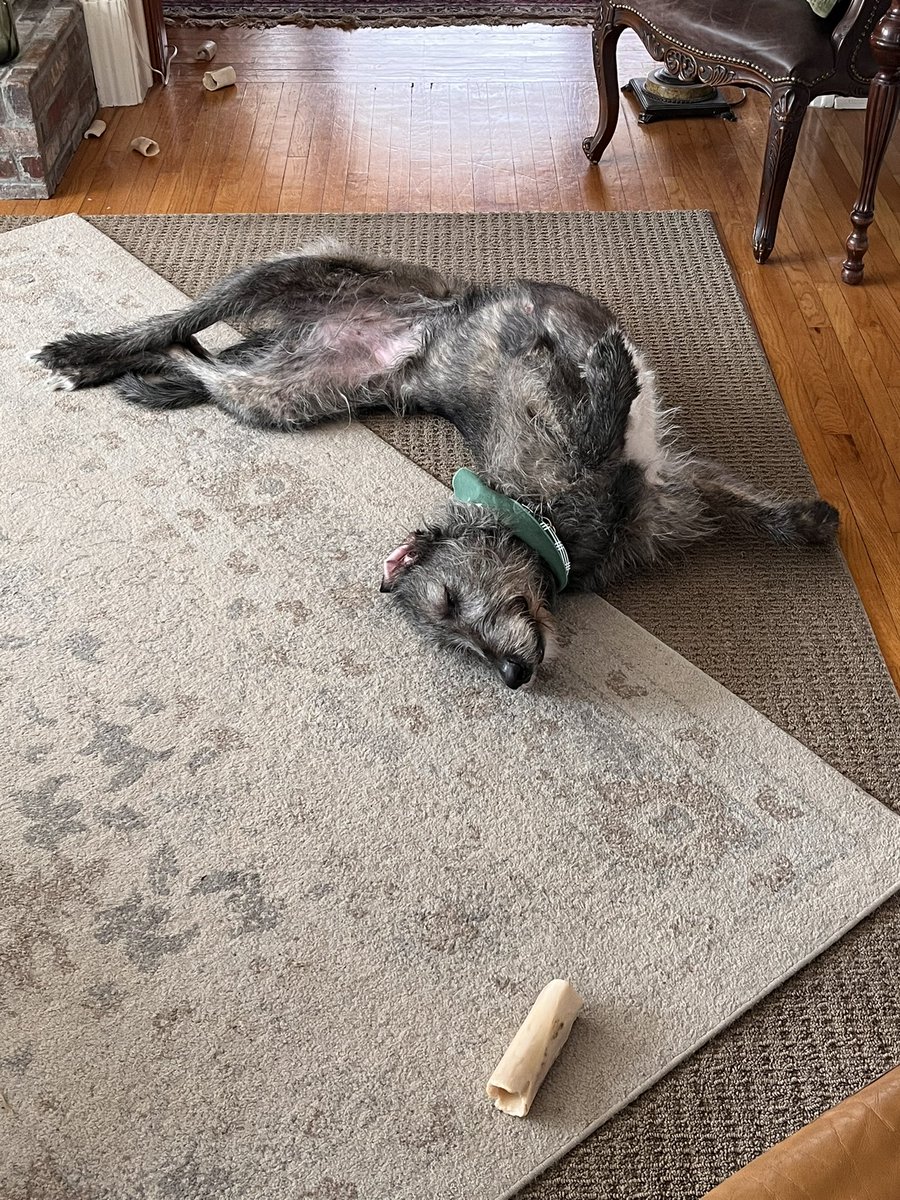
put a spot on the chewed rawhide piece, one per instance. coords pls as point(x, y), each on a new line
point(535, 1048)
point(145, 146)
point(578, 477)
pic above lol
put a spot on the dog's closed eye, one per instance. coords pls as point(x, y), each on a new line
point(450, 603)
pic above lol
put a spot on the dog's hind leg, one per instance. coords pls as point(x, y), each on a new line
point(293, 289)
point(104, 371)
point(733, 502)
point(166, 381)
point(255, 392)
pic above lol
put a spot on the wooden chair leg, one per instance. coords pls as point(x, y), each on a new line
point(881, 117)
point(786, 115)
point(604, 38)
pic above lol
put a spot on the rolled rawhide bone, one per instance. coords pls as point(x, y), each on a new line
point(532, 1052)
point(214, 81)
point(95, 129)
point(145, 146)
point(206, 51)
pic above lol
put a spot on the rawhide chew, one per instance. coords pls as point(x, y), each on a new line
point(214, 81)
point(532, 1052)
point(145, 146)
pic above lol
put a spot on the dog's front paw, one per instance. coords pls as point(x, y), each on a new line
point(815, 522)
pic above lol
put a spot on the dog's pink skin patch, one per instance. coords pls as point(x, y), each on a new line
point(366, 344)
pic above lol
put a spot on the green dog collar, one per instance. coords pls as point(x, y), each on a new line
point(539, 535)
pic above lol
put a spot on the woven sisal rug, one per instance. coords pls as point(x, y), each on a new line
point(527, 245)
point(381, 13)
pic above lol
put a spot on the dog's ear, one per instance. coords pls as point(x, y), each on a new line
point(403, 557)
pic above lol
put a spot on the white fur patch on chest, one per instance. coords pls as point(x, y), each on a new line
point(642, 435)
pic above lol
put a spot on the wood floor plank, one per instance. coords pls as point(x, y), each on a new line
point(177, 138)
point(440, 171)
point(486, 179)
point(290, 196)
point(320, 123)
point(231, 178)
point(540, 137)
point(462, 166)
point(379, 149)
point(360, 148)
point(201, 121)
point(224, 110)
point(398, 151)
point(421, 117)
point(884, 623)
point(501, 155)
point(569, 162)
point(337, 160)
point(521, 149)
point(271, 176)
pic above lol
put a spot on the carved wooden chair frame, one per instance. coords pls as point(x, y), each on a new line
point(789, 99)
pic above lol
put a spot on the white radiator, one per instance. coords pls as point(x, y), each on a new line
point(120, 54)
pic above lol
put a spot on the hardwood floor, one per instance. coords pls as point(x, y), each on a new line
point(481, 118)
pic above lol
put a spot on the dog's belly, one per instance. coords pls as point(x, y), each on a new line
point(348, 349)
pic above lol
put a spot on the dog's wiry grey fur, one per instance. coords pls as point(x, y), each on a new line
point(557, 407)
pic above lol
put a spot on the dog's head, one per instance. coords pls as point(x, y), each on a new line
point(470, 584)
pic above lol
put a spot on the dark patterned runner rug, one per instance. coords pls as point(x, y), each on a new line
point(362, 13)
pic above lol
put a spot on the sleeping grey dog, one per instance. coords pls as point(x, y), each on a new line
point(577, 480)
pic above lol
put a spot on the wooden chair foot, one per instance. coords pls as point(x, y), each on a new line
point(604, 38)
point(785, 122)
point(881, 117)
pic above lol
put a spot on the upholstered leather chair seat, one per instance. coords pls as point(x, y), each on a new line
point(783, 39)
point(851, 1152)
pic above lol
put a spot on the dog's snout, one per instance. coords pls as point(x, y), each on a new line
point(514, 673)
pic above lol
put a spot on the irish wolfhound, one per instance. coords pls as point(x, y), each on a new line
point(578, 480)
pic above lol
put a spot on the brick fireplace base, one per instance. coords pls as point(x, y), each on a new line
point(47, 98)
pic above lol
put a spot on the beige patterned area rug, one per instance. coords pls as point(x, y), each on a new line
point(278, 882)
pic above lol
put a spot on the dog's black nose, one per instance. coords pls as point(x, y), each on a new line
point(514, 673)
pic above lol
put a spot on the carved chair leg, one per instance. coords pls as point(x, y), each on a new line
point(881, 116)
point(786, 115)
point(604, 39)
